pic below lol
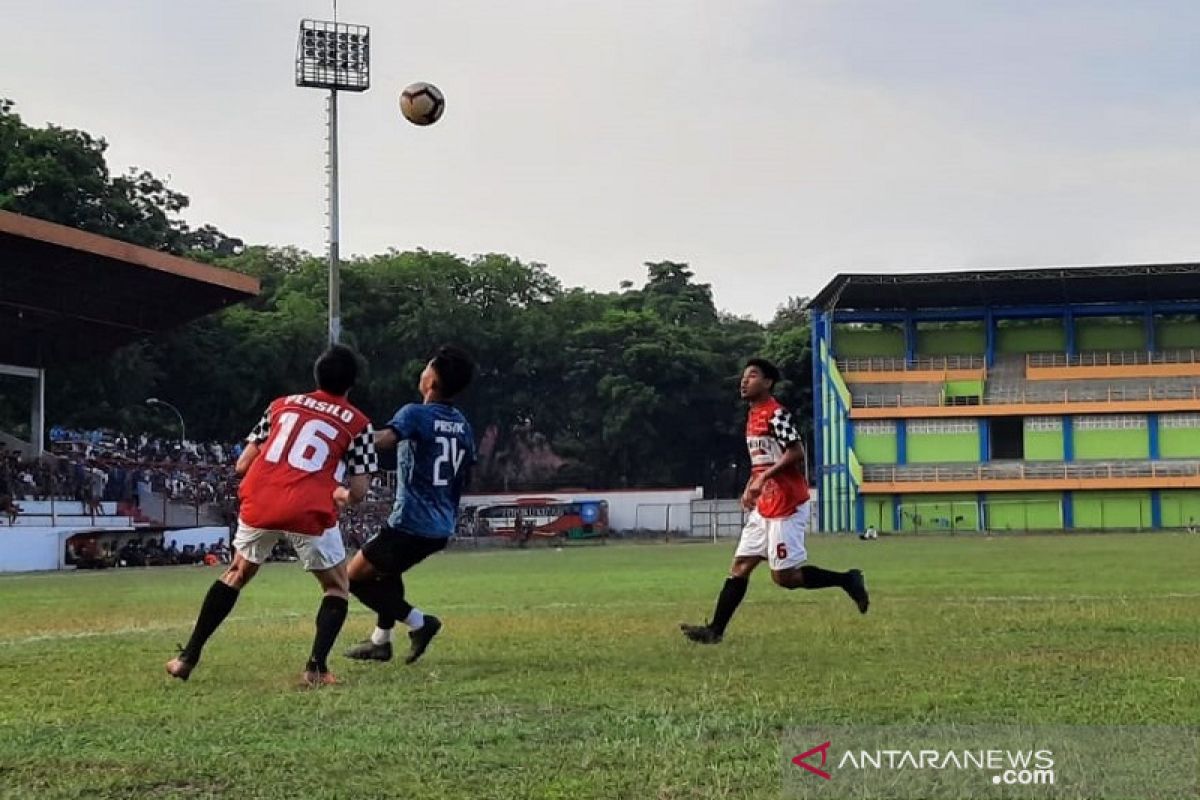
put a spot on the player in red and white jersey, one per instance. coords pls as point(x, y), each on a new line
point(293, 465)
point(777, 498)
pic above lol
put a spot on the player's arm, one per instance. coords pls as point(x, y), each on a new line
point(362, 461)
point(793, 455)
point(246, 458)
point(401, 426)
point(254, 442)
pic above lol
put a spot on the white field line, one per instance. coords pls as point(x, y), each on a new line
point(135, 630)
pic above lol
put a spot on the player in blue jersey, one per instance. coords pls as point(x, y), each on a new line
point(436, 449)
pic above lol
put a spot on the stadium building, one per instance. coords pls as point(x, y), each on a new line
point(1038, 399)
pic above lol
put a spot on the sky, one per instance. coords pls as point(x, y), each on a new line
point(770, 144)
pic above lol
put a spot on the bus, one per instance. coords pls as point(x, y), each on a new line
point(541, 517)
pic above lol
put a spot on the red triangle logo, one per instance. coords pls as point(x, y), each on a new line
point(800, 761)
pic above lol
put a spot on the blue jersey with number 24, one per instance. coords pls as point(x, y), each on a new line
point(434, 455)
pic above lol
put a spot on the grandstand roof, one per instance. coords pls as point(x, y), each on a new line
point(66, 294)
point(1012, 287)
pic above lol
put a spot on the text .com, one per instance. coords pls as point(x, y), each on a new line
point(1025, 777)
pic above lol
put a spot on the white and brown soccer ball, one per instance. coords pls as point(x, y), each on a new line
point(422, 103)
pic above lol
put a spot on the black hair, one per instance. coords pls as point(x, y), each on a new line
point(454, 370)
point(768, 370)
point(336, 370)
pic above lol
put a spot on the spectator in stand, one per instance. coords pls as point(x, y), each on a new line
point(9, 508)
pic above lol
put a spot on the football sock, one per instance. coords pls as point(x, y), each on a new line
point(817, 578)
point(330, 617)
point(727, 602)
point(216, 607)
point(374, 595)
point(415, 619)
point(382, 636)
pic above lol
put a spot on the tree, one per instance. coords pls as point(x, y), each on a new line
point(60, 175)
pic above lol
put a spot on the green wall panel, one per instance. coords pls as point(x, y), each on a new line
point(1044, 446)
point(878, 512)
point(1105, 510)
point(876, 448)
point(964, 388)
point(1105, 333)
point(1178, 334)
point(930, 448)
point(1179, 442)
point(1031, 338)
point(1024, 511)
point(1180, 508)
point(939, 512)
point(951, 341)
point(1093, 444)
point(860, 343)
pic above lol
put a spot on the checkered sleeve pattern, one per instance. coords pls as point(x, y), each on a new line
point(783, 429)
point(262, 431)
point(362, 458)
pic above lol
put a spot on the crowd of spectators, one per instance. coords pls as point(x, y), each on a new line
point(92, 467)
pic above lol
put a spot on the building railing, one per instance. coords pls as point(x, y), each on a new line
point(1113, 358)
point(899, 364)
point(1080, 470)
point(1036, 395)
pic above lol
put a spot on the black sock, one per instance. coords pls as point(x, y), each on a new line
point(330, 617)
point(817, 578)
point(219, 601)
point(727, 602)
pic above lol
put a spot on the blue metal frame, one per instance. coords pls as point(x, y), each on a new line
point(1155, 509)
point(1068, 509)
point(901, 441)
point(1152, 425)
point(1068, 437)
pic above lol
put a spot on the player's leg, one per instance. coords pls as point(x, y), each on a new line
point(253, 546)
point(376, 579)
point(325, 557)
point(787, 555)
point(751, 551)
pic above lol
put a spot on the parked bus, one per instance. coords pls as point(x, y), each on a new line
point(542, 517)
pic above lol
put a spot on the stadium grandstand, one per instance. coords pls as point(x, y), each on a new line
point(1034, 399)
point(67, 295)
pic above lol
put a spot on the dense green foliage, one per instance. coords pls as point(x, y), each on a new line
point(633, 387)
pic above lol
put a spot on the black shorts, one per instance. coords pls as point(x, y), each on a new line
point(392, 551)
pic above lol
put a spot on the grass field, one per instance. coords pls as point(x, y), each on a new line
point(562, 674)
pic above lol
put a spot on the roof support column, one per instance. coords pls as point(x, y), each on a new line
point(910, 338)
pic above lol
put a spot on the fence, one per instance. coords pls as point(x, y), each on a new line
point(899, 364)
point(1114, 358)
point(1030, 470)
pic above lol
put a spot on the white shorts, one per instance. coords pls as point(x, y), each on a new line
point(780, 541)
point(316, 552)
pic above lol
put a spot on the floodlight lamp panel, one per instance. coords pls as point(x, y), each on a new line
point(333, 55)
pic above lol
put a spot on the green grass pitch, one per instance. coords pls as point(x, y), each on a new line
point(561, 674)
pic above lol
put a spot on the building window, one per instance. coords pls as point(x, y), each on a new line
point(875, 427)
point(920, 426)
point(1179, 421)
point(1043, 423)
point(1110, 422)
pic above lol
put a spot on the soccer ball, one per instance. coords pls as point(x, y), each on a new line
point(422, 103)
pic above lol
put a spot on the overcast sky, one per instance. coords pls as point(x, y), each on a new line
point(769, 143)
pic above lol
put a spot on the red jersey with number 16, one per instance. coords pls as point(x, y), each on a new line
point(307, 443)
point(769, 431)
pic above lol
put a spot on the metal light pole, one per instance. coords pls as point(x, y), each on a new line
point(154, 401)
point(333, 55)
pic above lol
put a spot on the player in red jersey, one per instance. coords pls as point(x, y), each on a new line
point(293, 466)
point(777, 497)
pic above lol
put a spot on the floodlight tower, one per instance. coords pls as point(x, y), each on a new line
point(333, 56)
